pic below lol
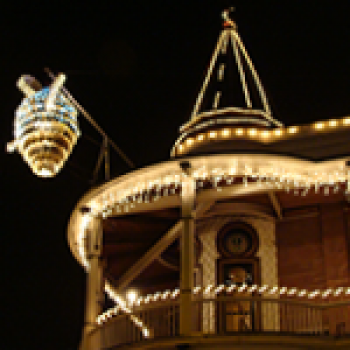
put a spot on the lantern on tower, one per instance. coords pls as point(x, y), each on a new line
point(45, 127)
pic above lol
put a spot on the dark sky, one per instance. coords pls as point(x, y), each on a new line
point(137, 68)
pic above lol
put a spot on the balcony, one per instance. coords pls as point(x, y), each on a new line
point(252, 322)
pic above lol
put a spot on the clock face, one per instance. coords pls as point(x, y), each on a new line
point(237, 242)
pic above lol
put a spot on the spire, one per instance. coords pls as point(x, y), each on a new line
point(216, 99)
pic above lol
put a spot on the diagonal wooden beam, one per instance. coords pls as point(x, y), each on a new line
point(276, 204)
point(154, 252)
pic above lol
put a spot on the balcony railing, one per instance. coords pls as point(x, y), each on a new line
point(225, 316)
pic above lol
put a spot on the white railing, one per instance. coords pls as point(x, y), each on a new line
point(226, 315)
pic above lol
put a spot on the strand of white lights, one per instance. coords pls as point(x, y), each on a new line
point(215, 122)
point(122, 305)
point(212, 290)
point(225, 36)
point(264, 290)
point(241, 72)
point(264, 135)
point(213, 59)
point(236, 37)
point(221, 71)
point(169, 184)
point(232, 115)
point(300, 184)
point(107, 315)
point(217, 99)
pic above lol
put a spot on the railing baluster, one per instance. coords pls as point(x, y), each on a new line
point(224, 315)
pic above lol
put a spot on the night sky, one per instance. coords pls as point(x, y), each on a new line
point(137, 69)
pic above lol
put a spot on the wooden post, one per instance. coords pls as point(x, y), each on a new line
point(187, 250)
point(94, 287)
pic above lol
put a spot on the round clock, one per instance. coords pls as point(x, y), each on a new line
point(237, 239)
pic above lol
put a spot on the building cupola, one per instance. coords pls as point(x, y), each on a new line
point(231, 105)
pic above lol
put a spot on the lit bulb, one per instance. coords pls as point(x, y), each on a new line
point(319, 125)
point(265, 134)
point(278, 132)
point(252, 132)
point(292, 130)
point(225, 132)
point(131, 296)
point(346, 121)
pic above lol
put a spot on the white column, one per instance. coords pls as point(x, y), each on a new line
point(187, 253)
point(208, 261)
point(94, 285)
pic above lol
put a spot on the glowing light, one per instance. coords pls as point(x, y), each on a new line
point(274, 290)
point(338, 291)
point(212, 134)
point(333, 123)
point(239, 131)
point(283, 290)
point(145, 332)
point(319, 126)
point(225, 132)
point(292, 130)
point(314, 293)
point(200, 137)
point(292, 291)
point(278, 132)
point(263, 288)
point(252, 132)
point(302, 293)
point(326, 293)
point(346, 121)
point(253, 288)
point(131, 296)
point(265, 134)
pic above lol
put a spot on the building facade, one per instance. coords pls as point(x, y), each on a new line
point(241, 240)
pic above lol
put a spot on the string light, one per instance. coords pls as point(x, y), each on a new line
point(319, 125)
point(333, 123)
point(208, 290)
point(239, 132)
point(225, 132)
point(252, 132)
point(265, 135)
point(278, 132)
point(292, 130)
point(280, 177)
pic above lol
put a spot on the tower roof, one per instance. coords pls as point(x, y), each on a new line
point(232, 93)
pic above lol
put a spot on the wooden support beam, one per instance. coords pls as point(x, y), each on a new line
point(154, 252)
point(276, 204)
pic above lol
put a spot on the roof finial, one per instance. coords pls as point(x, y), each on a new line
point(228, 22)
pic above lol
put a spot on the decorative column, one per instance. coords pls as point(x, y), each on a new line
point(94, 287)
point(208, 260)
point(188, 194)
